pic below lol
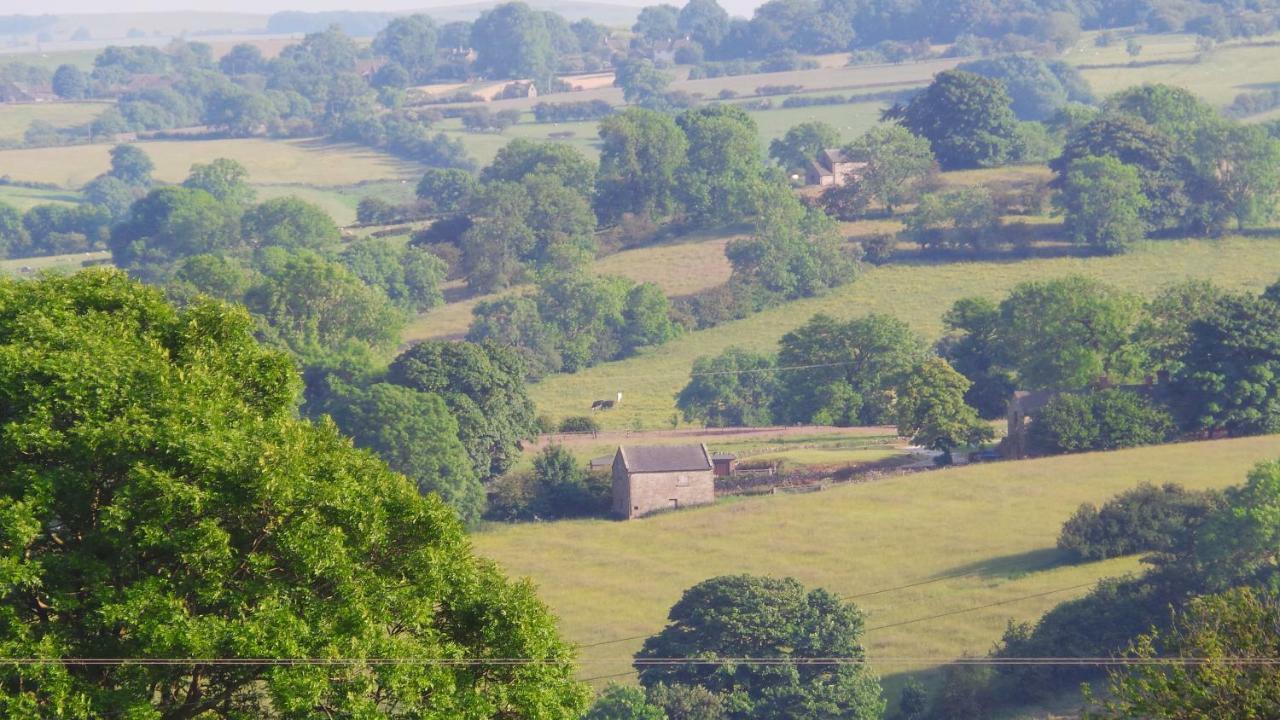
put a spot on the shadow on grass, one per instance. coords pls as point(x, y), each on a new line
point(1009, 567)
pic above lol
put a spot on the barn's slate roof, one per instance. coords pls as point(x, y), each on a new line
point(665, 458)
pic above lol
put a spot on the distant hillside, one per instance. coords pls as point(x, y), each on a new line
point(368, 23)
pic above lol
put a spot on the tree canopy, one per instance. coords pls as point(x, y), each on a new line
point(212, 523)
point(967, 118)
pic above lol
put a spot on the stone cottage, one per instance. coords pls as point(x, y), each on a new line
point(647, 479)
point(833, 168)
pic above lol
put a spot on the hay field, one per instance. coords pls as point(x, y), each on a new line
point(314, 162)
point(916, 293)
point(16, 118)
point(973, 535)
point(23, 198)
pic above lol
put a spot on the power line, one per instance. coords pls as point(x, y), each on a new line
point(979, 607)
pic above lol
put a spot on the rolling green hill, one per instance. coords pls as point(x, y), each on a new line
point(905, 549)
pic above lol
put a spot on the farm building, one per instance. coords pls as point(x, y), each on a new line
point(15, 92)
point(832, 167)
point(647, 479)
point(724, 464)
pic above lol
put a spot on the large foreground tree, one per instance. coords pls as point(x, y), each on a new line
point(158, 499)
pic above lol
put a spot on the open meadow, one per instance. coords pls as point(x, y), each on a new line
point(918, 293)
point(23, 198)
point(975, 543)
point(15, 118)
point(314, 162)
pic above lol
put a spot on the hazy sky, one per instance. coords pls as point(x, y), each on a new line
point(740, 7)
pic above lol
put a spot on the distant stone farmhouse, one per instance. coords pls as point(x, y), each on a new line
point(832, 168)
point(1025, 404)
point(647, 479)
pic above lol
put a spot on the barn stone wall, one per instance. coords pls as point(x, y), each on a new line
point(639, 494)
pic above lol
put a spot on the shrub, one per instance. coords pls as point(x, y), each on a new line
point(579, 424)
point(1105, 420)
point(878, 249)
point(561, 488)
point(1147, 518)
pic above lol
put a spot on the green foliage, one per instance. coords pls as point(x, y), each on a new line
point(1038, 88)
point(226, 180)
point(1220, 629)
point(721, 178)
point(1165, 332)
point(643, 84)
point(12, 234)
point(483, 387)
point(563, 489)
point(1230, 377)
point(799, 148)
point(579, 424)
point(446, 189)
point(931, 410)
point(964, 217)
point(1105, 420)
point(289, 223)
point(965, 693)
point(1103, 203)
point(70, 82)
point(213, 523)
point(967, 119)
point(973, 348)
point(410, 277)
point(640, 153)
point(744, 616)
point(621, 702)
point(1069, 332)
point(169, 224)
point(913, 702)
point(1239, 542)
point(415, 435)
point(409, 42)
point(112, 194)
point(511, 41)
point(1145, 519)
point(850, 370)
point(131, 165)
point(794, 252)
point(733, 389)
point(520, 158)
point(687, 702)
point(897, 164)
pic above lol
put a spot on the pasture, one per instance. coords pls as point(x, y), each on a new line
point(977, 541)
point(15, 118)
point(23, 197)
point(918, 293)
point(313, 162)
point(61, 263)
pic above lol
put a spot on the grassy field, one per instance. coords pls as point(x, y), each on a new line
point(1220, 75)
point(917, 293)
point(15, 118)
point(972, 535)
point(23, 198)
point(71, 262)
point(313, 162)
point(340, 202)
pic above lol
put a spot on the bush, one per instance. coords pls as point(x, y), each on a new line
point(579, 424)
point(562, 489)
point(878, 249)
point(778, 89)
point(1147, 518)
point(1105, 420)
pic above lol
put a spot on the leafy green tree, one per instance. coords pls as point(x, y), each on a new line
point(130, 164)
point(1176, 111)
point(733, 389)
point(242, 59)
point(561, 487)
point(217, 276)
point(171, 223)
point(1244, 162)
point(521, 158)
point(226, 180)
point(799, 148)
point(13, 236)
point(1038, 88)
point(1104, 420)
point(704, 21)
point(641, 151)
point(965, 217)
point(214, 524)
point(414, 433)
point(409, 276)
point(974, 349)
point(113, 194)
point(642, 83)
point(514, 321)
point(511, 41)
point(1220, 629)
point(483, 386)
point(897, 164)
point(494, 248)
point(1069, 332)
point(968, 120)
point(1238, 544)
point(289, 223)
point(1165, 332)
point(1144, 519)
point(447, 189)
point(409, 42)
point(847, 372)
point(562, 223)
point(70, 82)
point(744, 616)
point(721, 178)
point(657, 22)
point(794, 252)
point(315, 307)
point(913, 702)
point(620, 702)
point(1102, 200)
point(931, 410)
point(646, 318)
point(687, 702)
point(1230, 377)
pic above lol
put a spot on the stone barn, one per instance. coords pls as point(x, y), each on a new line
point(647, 479)
point(833, 168)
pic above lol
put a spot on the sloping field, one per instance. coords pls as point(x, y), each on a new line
point(918, 294)
point(16, 118)
point(23, 198)
point(904, 549)
point(314, 162)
